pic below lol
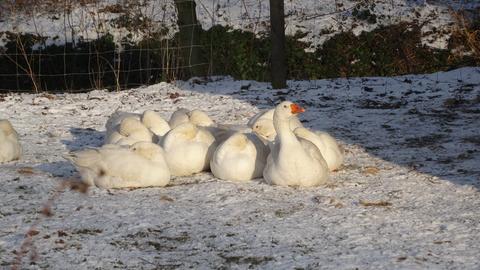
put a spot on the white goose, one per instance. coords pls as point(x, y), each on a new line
point(199, 118)
point(156, 124)
point(293, 161)
point(150, 119)
point(265, 130)
point(10, 148)
point(241, 157)
point(188, 149)
point(222, 132)
point(195, 117)
point(327, 145)
point(114, 166)
point(116, 118)
point(262, 124)
point(129, 131)
point(178, 117)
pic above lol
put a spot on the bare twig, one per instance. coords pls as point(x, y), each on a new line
point(46, 212)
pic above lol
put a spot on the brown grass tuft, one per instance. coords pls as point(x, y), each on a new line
point(466, 35)
point(25, 170)
point(375, 204)
point(370, 170)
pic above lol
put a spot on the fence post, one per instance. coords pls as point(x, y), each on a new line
point(189, 37)
point(277, 33)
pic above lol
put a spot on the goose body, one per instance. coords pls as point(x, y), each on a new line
point(222, 132)
point(188, 149)
point(327, 145)
point(129, 131)
point(10, 148)
point(262, 124)
point(241, 157)
point(114, 166)
point(293, 161)
point(265, 114)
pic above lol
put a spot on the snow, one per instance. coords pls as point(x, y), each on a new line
point(86, 22)
point(412, 150)
point(319, 20)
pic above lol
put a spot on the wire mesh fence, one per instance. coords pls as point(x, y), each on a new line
point(67, 45)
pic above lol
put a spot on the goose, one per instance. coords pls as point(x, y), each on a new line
point(200, 118)
point(188, 149)
point(222, 132)
point(293, 161)
point(262, 124)
point(156, 124)
point(196, 117)
point(10, 148)
point(129, 131)
point(235, 127)
point(114, 166)
point(265, 114)
point(264, 129)
point(178, 117)
point(327, 145)
point(116, 118)
point(150, 119)
point(241, 158)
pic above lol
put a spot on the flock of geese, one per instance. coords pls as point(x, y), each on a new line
point(144, 150)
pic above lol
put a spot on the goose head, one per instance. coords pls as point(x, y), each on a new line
point(200, 118)
point(148, 150)
point(131, 125)
point(286, 110)
point(240, 142)
point(155, 122)
point(178, 117)
point(264, 128)
point(6, 127)
point(187, 131)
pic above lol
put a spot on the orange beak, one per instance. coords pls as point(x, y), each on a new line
point(296, 109)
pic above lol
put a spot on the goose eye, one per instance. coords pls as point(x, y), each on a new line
point(285, 106)
point(256, 126)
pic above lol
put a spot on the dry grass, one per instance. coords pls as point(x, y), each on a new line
point(13, 7)
point(466, 35)
point(371, 170)
point(375, 204)
point(27, 246)
point(25, 170)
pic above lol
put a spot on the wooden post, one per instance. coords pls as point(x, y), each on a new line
point(278, 60)
point(189, 37)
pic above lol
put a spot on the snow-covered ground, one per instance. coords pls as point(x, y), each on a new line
point(318, 19)
point(406, 198)
point(321, 20)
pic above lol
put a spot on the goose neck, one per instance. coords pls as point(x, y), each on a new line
point(282, 127)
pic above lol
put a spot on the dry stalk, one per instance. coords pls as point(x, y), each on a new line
point(46, 212)
point(14, 9)
point(375, 204)
point(469, 35)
